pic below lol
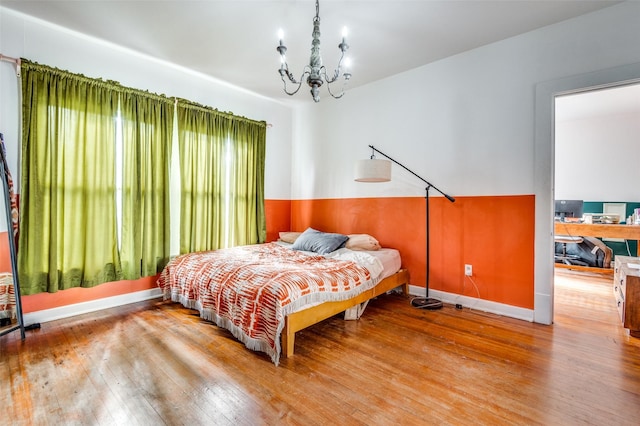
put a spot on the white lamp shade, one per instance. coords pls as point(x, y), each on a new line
point(373, 170)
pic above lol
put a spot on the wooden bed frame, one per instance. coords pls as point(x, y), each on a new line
point(310, 316)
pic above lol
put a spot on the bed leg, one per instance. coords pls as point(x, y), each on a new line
point(288, 339)
point(405, 289)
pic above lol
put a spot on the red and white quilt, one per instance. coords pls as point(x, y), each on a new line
point(250, 289)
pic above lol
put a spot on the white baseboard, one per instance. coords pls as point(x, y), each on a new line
point(477, 304)
point(91, 306)
point(139, 296)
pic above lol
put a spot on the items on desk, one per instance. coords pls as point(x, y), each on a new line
point(568, 210)
point(601, 218)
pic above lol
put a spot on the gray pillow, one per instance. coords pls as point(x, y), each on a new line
point(319, 242)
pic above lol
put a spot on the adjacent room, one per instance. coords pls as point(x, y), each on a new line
point(592, 131)
point(320, 212)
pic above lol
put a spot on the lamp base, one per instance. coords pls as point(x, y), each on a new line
point(426, 303)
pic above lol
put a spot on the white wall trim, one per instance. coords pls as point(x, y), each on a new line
point(91, 306)
point(476, 304)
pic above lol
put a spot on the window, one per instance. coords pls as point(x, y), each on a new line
point(96, 193)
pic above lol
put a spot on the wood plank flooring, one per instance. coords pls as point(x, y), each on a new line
point(158, 363)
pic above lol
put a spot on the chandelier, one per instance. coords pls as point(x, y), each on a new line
point(316, 72)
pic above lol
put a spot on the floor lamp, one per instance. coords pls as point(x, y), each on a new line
point(375, 170)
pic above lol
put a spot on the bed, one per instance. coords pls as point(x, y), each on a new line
point(264, 293)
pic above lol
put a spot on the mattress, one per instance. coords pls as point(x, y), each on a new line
point(390, 259)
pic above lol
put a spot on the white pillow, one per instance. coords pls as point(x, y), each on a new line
point(362, 242)
point(289, 237)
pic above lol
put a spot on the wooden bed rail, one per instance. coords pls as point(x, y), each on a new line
point(300, 320)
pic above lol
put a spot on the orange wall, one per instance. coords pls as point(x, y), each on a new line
point(5, 256)
point(493, 234)
point(41, 301)
point(38, 302)
point(278, 213)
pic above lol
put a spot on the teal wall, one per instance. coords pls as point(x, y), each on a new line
point(618, 248)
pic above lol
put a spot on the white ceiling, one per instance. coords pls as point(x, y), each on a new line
point(235, 40)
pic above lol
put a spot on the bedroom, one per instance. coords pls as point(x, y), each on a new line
point(473, 134)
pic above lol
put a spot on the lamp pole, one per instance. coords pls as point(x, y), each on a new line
point(422, 302)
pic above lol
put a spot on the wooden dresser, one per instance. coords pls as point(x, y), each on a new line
point(626, 289)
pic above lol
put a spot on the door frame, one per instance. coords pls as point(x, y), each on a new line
point(544, 171)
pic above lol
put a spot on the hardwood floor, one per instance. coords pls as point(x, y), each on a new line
point(158, 363)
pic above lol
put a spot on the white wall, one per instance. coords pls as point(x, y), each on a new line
point(38, 41)
point(466, 123)
point(598, 158)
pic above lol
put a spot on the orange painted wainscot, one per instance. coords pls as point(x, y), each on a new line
point(42, 301)
point(278, 213)
point(495, 234)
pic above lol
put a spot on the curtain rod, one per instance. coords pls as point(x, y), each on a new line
point(15, 61)
point(9, 59)
point(18, 62)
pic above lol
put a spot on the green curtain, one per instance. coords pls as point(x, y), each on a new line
point(222, 179)
point(68, 232)
point(147, 130)
point(247, 188)
point(86, 218)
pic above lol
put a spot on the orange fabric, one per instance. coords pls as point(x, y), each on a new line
point(7, 296)
point(250, 289)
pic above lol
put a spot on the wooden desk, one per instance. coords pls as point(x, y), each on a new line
point(628, 232)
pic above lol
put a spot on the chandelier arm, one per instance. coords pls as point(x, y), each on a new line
point(284, 83)
point(341, 93)
point(336, 72)
point(293, 80)
point(329, 82)
point(284, 70)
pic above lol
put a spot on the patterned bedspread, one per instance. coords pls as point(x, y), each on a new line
point(250, 289)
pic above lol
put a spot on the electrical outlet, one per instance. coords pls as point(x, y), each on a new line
point(468, 270)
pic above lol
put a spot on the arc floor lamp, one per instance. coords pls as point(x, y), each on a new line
point(377, 170)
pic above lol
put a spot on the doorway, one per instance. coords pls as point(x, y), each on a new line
point(596, 153)
point(544, 171)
